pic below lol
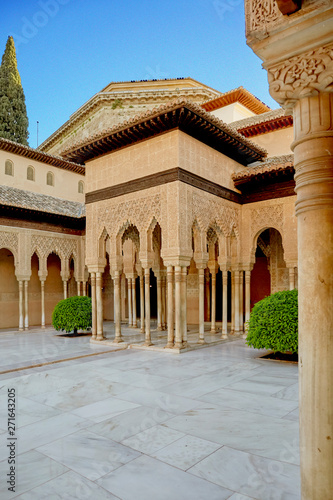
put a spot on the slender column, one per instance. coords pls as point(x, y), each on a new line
point(42, 292)
point(247, 299)
point(207, 295)
point(84, 288)
point(117, 307)
point(213, 303)
point(65, 289)
point(224, 305)
point(147, 304)
point(134, 320)
point(129, 301)
point(313, 150)
point(232, 331)
point(201, 306)
point(291, 278)
point(93, 306)
point(26, 305)
point(236, 281)
point(99, 304)
point(163, 302)
point(241, 304)
point(142, 303)
point(178, 312)
point(159, 302)
point(21, 319)
point(78, 288)
point(170, 307)
point(184, 304)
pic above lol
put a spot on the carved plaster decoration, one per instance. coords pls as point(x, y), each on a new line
point(63, 247)
point(265, 217)
point(261, 14)
point(10, 241)
point(209, 212)
point(302, 76)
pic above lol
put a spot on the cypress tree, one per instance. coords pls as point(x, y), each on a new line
point(13, 112)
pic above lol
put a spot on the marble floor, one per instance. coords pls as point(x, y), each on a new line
point(94, 421)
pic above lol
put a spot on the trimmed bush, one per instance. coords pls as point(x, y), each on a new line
point(72, 314)
point(274, 323)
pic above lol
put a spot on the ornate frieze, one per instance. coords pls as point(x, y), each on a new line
point(302, 76)
point(265, 217)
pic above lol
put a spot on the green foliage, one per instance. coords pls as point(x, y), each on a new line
point(117, 103)
point(13, 113)
point(72, 314)
point(274, 323)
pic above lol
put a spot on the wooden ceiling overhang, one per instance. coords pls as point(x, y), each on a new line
point(240, 95)
point(187, 117)
point(34, 154)
point(266, 127)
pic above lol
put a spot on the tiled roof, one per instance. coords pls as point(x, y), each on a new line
point(266, 122)
point(273, 164)
point(19, 198)
point(35, 154)
point(237, 95)
point(181, 113)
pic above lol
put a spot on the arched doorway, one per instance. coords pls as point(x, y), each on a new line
point(9, 291)
point(53, 286)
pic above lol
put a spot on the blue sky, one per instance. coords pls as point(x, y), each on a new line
point(68, 50)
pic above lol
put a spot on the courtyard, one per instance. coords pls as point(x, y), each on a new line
point(100, 421)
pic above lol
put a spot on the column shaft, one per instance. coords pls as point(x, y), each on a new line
point(236, 281)
point(21, 318)
point(291, 278)
point(26, 305)
point(170, 307)
point(178, 311)
point(129, 301)
point(147, 304)
point(65, 289)
point(42, 291)
point(232, 331)
point(117, 307)
point(134, 320)
point(142, 304)
point(78, 288)
point(99, 306)
point(184, 305)
point(159, 302)
point(224, 305)
point(213, 303)
point(93, 306)
point(241, 302)
point(247, 299)
point(201, 306)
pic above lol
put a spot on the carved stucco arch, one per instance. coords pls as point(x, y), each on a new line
point(255, 237)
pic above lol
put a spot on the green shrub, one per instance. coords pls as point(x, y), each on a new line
point(72, 314)
point(273, 323)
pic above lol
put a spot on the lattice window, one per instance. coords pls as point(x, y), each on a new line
point(30, 173)
point(9, 167)
point(50, 179)
point(81, 187)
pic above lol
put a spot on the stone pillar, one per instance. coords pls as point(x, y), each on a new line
point(117, 307)
point(148, 341)
point(224, 305)
point(65, 288)
point(184, 305)
point(201, 306)
point(232, 330)
point(21, 318)
point(26, 304)
point(247, 299)
point(164, 302)
point(78, 288)
point(142, 303)
point(99, 306)
point(241, 303)
point(159, 301)
point(170, 307)
point(84, 288)
point(213, 303)
point(42, 292)
point(291, 278)
point(178, 312)
point(313, 148)
point(129, 301)
point(207, 295)
point(134, 319)
point(93, 306)
point(236, 310)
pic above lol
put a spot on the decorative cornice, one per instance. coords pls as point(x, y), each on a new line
point(262, 124)
point(302, 76)
point(274, 165)
point(34, 154)
point(158, 179)
point(179, 114)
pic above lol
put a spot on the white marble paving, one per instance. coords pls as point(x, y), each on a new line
point(90, 455)
point(250, 475)
point(103, 410)
point(152, 479)
point(130, 423)
point(33, 469)
point(186, 452)
point(149, 425)
point(256, 403)
point(68, 486)
point(153, 439)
